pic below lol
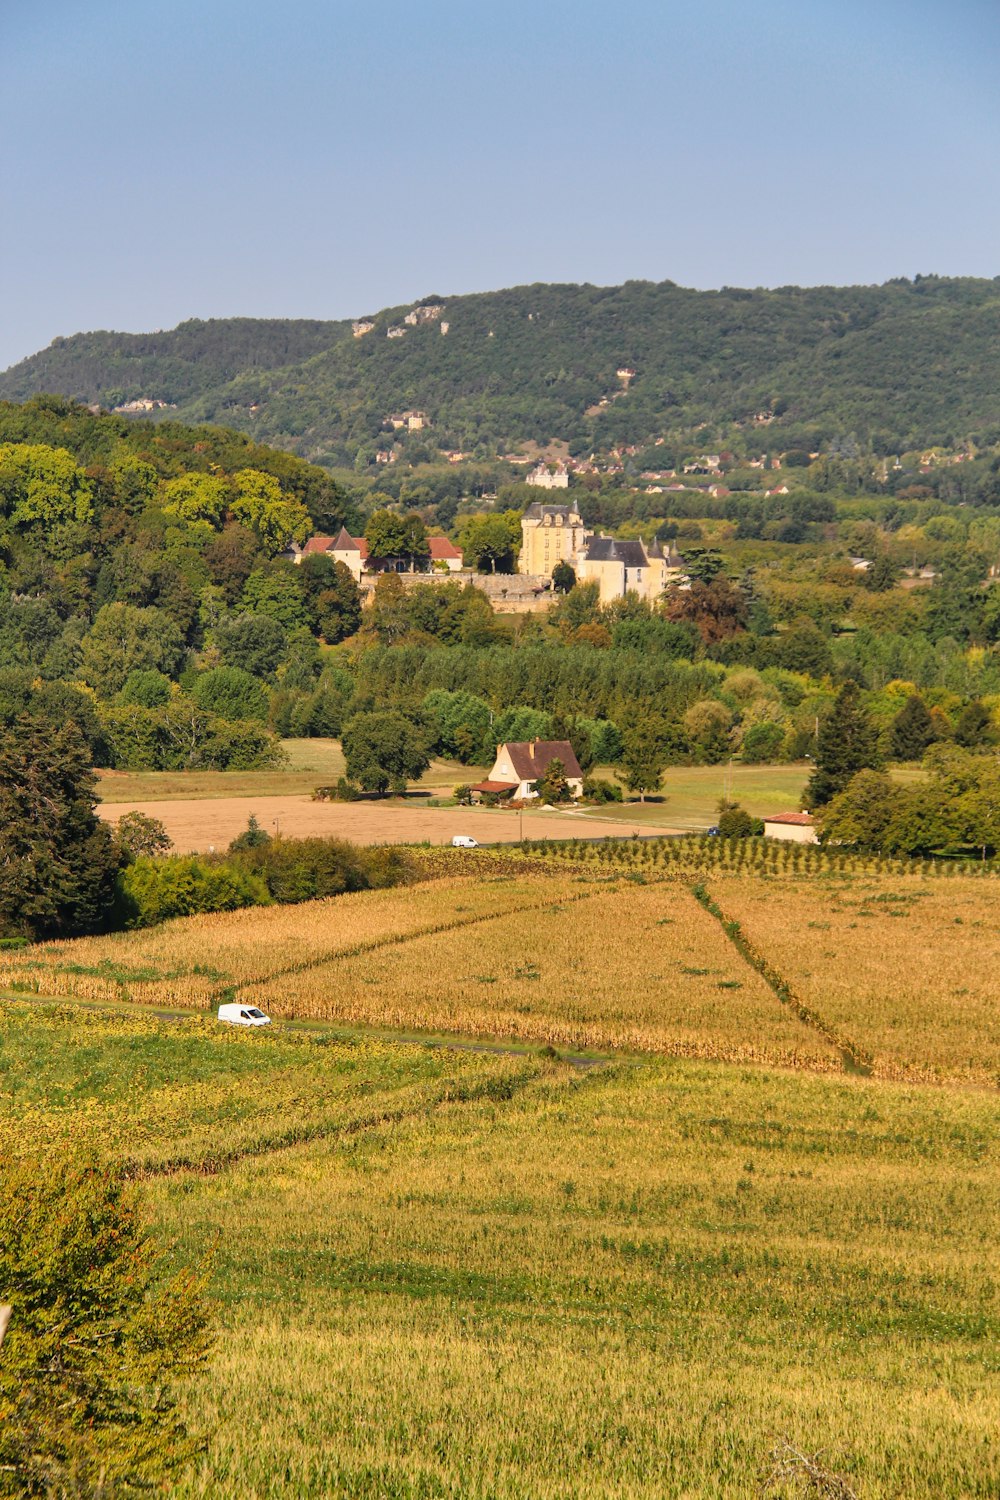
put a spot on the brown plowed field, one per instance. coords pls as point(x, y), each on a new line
point(204, 824)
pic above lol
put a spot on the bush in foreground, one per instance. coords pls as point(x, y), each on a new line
point(94, 1342)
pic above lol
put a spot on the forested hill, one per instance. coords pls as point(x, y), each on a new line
point(900, 366)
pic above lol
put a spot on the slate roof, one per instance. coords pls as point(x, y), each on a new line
point(607, 549)
point(537, 511)
point(531, 758)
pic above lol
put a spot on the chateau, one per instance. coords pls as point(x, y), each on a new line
point(551, 534)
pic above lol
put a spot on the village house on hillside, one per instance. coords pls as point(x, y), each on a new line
point(520, 763)
point(549, 476)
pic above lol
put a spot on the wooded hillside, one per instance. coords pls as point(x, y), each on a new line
point(907, 364)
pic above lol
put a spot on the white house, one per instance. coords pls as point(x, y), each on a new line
point(519, 763)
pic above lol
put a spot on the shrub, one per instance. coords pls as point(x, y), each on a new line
point(154, 890)
point(95, 1339)
point(599, 789)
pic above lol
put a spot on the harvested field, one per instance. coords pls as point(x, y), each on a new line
point(200, 824)
point(906, 967)
point(641, 969)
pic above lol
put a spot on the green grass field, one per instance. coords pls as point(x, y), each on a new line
point(691, 794)
point(311, 763)
point(453, 1274)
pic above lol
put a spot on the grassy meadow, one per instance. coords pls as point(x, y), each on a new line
point(311, 763)
point(452, 1274)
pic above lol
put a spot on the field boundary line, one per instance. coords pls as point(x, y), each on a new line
point(358, 950)
point(500, 1089)
point(856, 1058)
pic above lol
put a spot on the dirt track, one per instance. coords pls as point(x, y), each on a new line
point(213, 823)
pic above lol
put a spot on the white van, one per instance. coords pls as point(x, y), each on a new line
point(243, 1015)
point(464, 841)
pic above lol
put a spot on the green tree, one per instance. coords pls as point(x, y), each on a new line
point(276, 591)
point(195, 497)
point(146, 687)
point(734, 821)
point(390, 536)
point(881, 576)
point(848, 742)
point(275, 519)
point(762, 743)
point(123, 640)
point(137, 834)
point(912, 730)
point(383, 751)
point(333, 597)
point(256, 643)
point(44, 485)
point(862, 812)
point(252, 837)
point(99, 1337)
point(232, 693)
point(644, 759)
point(975, 727)
point(553, 786)
point(58, 862)
point(563, 577)
point(488, 544)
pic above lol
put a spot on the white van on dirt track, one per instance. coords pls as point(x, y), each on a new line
point(464, 841)
point(243, 1015)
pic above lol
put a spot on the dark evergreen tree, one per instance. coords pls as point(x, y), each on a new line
point(881, 576)
point(58, 861)
point(975, 726)
point(848, 742)
point(912, 730)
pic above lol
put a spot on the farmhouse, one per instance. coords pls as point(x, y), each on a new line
point(519, 763)
point(796, 828)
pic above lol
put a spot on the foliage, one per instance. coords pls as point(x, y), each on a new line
point(231, 693)
point(553, 785)
point(848, 742)
point(58, 862)
point(98, 1339)
point(154, 890)
point(383, 751)
point(252, 837)
point(138, 834)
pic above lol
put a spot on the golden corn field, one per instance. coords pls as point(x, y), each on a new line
point(639, 969)
point(890, 972)
point(908, 967)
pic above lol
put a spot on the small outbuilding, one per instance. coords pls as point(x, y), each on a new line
point(796, 828)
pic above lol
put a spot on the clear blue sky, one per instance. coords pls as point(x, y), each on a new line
point(164, 159)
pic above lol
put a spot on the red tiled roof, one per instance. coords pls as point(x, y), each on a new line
point(800, 820)
point(318, 544)
point(441, 549)
point(495, 786)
